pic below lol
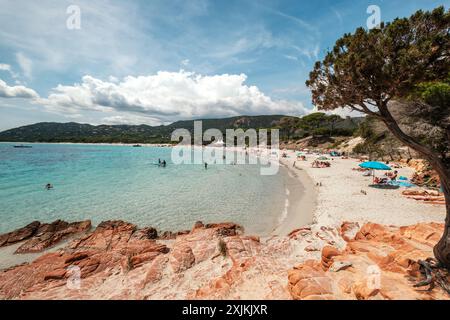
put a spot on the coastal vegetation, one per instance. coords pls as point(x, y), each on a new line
point(379, 143)
point(314, 124)
point(317, 124)
point(398, 74)
point(86, 133)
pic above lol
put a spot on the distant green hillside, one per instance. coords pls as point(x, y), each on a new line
point(76, 132)
point(290, 127)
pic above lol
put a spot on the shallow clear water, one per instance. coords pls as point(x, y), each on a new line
point(121, 182)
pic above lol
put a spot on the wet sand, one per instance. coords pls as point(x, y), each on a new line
point(9, 259)
point(301, 200)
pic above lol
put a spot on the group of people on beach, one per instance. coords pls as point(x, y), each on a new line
point(389, 176)
point(162, 163)
point(320, 164)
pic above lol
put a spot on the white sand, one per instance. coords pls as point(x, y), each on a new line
point(339, 198)
point(302, 201)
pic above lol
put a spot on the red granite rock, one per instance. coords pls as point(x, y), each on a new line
point(48, 235)
point(19, 234)
point(119, 261)
point(383, 262)
point(182, 257)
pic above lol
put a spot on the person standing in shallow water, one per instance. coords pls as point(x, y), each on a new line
point(206, 165)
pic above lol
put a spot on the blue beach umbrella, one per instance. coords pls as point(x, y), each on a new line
point(374, 165)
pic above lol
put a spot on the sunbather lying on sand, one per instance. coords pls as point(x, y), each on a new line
point(380, 180)
point(392, 175)
point(320, 164)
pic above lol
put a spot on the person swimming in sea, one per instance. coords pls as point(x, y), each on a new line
point(48, 186)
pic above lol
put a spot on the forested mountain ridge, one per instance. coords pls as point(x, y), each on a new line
point(86, 133)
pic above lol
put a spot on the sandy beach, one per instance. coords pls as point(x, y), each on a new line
point(301, 201)
point(340, 197)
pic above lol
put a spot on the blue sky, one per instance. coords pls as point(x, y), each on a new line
point(159, 61)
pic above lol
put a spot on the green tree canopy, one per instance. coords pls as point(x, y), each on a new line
point(368, 68)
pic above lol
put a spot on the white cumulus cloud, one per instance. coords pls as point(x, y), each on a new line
point(168, 96)
point(16, 91)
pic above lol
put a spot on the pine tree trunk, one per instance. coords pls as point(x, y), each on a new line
point(442, 248)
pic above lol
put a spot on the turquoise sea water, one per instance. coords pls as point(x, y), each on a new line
point(100, 182)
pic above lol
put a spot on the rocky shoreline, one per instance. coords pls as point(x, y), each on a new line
point(117, 260)
point(38, 236)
